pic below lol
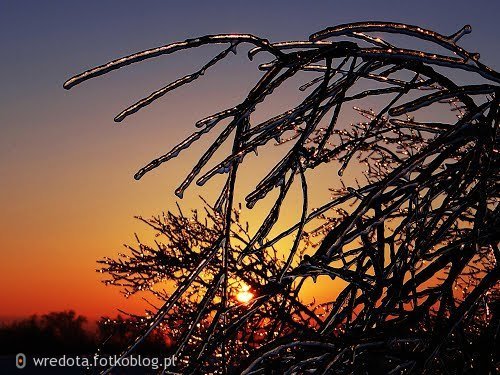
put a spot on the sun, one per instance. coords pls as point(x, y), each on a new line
point(244, 295)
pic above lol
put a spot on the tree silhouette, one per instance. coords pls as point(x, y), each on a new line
point(64, 332)
point(415, 241)
point(53, 333)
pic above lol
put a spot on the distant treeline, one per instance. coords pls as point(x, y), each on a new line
point(64, 332)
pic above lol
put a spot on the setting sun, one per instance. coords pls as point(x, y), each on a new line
point(292, 187)
point(244, 295)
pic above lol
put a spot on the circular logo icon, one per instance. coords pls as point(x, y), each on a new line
point(20, 360)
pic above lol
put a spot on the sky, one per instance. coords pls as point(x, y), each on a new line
point(67, 193)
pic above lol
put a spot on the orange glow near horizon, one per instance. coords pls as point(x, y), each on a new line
point(71, 202)
point(68, 196)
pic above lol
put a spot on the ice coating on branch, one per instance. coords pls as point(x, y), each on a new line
point(382, 235)
point(467, 29)
point(176, 84)
point(168, 49)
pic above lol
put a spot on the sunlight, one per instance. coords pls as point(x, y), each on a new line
point(244, 295)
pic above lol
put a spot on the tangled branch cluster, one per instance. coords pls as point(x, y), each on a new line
point(415, 242)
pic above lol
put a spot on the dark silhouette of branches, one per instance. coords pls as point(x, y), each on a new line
point(415, 241)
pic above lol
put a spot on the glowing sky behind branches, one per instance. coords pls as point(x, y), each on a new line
point(67, 192)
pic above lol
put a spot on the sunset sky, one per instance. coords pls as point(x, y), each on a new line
point(68, 196)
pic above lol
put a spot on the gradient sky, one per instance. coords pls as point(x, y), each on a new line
point(67, 192)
